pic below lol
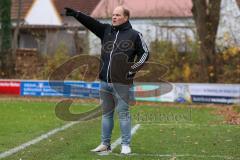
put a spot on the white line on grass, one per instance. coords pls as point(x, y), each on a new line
point(179, 155)
point(189, 125)
point(118, 141)
point(36, 140)
point(134, 129)
point(42, 137)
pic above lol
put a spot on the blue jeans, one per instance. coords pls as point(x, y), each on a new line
point(115, 95)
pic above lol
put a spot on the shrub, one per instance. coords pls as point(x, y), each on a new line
point(182, 66)
point(186, 66)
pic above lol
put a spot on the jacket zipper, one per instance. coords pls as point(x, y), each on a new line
point(111, 55)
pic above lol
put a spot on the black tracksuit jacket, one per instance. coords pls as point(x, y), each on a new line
point(123, 50)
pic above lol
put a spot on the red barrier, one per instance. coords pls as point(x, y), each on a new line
point(9, 87)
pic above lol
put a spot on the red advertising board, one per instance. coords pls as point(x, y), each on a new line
point(9, 87)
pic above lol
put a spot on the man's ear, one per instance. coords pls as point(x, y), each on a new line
point(126, 18)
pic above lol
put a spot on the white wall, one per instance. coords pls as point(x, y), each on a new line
point(175, 30)
point(229, 26)
point(43, 13)
point(228, 31)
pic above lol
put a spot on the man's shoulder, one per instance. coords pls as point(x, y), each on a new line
point(135, 32)
point(107, 25)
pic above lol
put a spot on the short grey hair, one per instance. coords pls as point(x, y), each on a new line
point(126, 12)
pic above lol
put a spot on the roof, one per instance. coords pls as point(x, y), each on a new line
point(86, 6)
point(104, 8)
point(238, 2)
point(50, 27)
point(82, 5)
point(146, 8)
point(26, 5)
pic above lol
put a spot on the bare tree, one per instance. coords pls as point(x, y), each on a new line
point(5, 17)
point(78, 41)
point(17, 28)
point(206, 14)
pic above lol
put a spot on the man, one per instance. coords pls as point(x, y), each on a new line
point(120, 46)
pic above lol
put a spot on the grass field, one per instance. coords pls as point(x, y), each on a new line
point(167, 131)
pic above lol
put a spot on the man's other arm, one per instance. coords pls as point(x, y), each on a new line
point(142, 54)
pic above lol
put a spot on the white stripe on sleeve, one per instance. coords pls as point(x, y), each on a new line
point(144, 56)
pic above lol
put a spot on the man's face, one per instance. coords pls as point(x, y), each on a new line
point(117, 17)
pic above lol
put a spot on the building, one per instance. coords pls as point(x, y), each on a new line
point(168, 21)
point(43, 25)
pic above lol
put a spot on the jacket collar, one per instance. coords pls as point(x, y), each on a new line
point(124, 26)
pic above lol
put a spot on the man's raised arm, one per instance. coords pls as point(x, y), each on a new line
point(92, 24)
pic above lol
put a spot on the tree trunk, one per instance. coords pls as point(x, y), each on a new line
point(12, 58)
point(206, 14)
point(17, 28)
point(78, 42)
point(5, 14)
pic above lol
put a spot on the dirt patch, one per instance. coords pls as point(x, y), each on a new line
point(47, 99)
point(230, 115)
point(92, 100)
point(175, 104)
